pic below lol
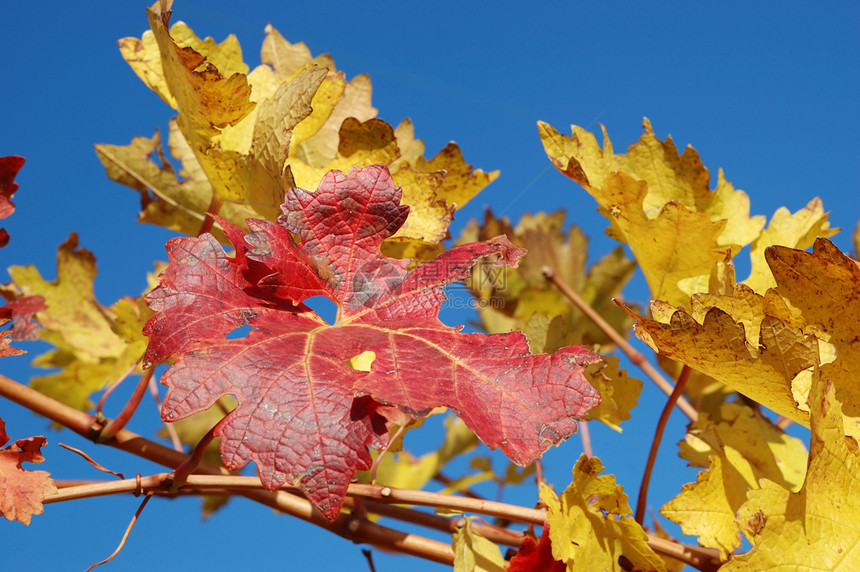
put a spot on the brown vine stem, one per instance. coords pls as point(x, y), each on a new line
point(701, 558)
point(642, 500)
point(86, 426)
point(299, 507)
point(209, 220)
point(634, 356)
point(120, 420)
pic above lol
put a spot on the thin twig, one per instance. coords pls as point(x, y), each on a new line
point(124, 536)
point(369, 555)
point(634, 356)
point(204, 484)
point(114, 385)
point(180, 475)
point(209, 221)
point(91, 461)
point(642, 500)
point(171, 430)
point(382, 537)
point(117, 423)
point(585, 435)
point(384, 450)
point(783, 422)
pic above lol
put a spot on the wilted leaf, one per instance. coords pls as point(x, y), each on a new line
point(298, 417)
point(591, 526)
point(825, 287)
point(22, 490)
point(242, 136)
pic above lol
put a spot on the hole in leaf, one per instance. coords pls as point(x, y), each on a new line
point(362, 361)
point(325, 308)
point(240, 332)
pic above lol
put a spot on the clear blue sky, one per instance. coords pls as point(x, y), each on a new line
point(766, 90)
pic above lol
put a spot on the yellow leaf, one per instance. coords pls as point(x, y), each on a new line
point(652, 196)
point(817, 528)
point(94, 345)
point(591, 525)
point(707, 507)
point(797, 230)
point(403, 471)
point(766, 450)
point(825, 287)
point(474, 553)
point(462, 182)
point(619, 393)
point(761, 369)
point(739, 447)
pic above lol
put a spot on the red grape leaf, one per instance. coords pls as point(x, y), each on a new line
point(9, 167)
point(22, 491)
point(304, 415)
point(536, 556)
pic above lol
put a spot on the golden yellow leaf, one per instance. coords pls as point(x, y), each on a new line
point(660, 203)
point(739, 446)
point(462, 182)
point(619, 392)
point(707, 507)
point(473, 552)
point(824, 286)
point(797, 230)
point(94, 345)
point(244, 138)
point(591, 525)
point(762, 369)
point(817, 528)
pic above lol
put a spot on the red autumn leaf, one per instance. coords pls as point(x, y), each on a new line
point(9, 167)
point(22, 491)
point(21, 311)
point(304, 414)
point(536, 556)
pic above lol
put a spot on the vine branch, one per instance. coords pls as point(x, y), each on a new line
point(634, 356)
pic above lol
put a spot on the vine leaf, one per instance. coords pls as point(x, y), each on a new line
point(9, 167)
point(536, 556)
point(22, 491)
point(816, 527)
point(473, 552)
point(739, 446)
point(304, 415)
point(511, 297)
point(591, 524)
point(94, 344)
point(744, 340)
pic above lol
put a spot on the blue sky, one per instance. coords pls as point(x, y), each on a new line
point(766, 90)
